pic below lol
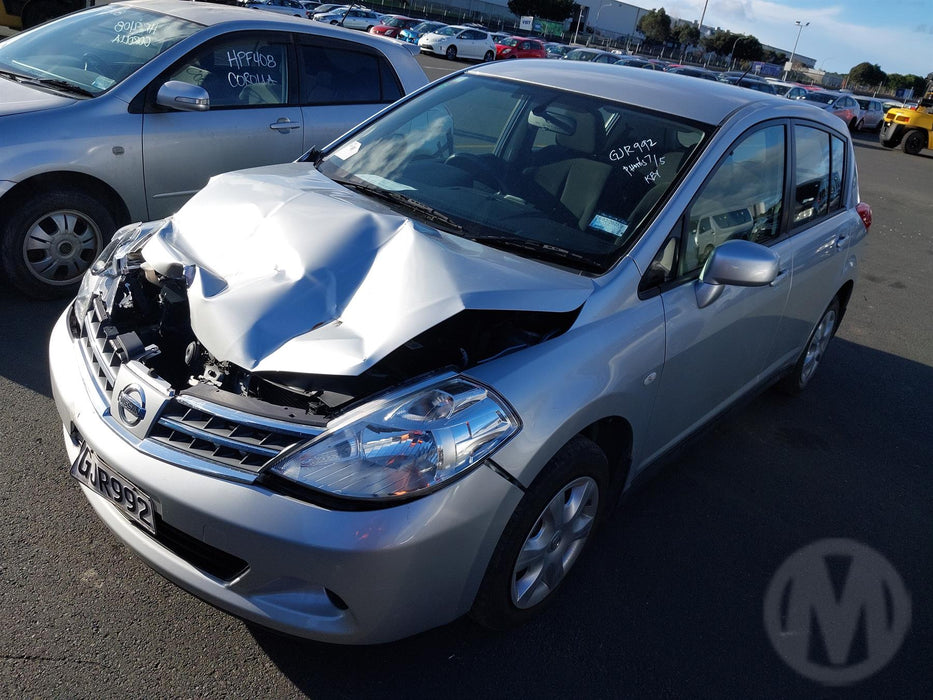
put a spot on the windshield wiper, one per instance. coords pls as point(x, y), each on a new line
point(427, 212)
point(61, 85)
point(540, 250)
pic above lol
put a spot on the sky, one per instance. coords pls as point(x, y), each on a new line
point(895, 34)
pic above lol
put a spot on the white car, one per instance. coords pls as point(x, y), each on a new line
point(295, 8)
point(354, 18)
point(459, 42)
point(871, 115)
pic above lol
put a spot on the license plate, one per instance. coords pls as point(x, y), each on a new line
point(129, 499)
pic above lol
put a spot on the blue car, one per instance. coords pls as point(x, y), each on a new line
point(412, 34)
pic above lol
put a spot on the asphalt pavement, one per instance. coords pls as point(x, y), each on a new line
point(668, 602)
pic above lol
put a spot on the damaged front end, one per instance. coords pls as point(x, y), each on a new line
point(402, 427)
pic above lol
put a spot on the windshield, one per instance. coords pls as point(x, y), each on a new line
point(561, 176)
point(508, 41)
point(448, 31)
point(820, 97)
point(93, 51)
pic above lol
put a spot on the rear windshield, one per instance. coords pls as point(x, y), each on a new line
point(821, 97)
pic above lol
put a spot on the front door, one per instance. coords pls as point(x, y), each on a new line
point(251, 121)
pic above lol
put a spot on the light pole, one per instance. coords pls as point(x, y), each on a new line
point(577, 30)
point(596, 21)
point(732, 53)
point(800, 26)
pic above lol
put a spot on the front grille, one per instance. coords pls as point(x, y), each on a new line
point(224, 435)
point(100, 351)
point(200, 429)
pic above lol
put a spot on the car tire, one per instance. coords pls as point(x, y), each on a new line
point(914, 141)
point(451, 53)
point(490, 56)
point(852, 125)
point(860, 125)
point(50, 240)
point(544, 537)
point(335, 21)
point(804, 369)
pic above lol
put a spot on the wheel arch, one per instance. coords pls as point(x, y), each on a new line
point(614, 436)
point(47, 182)
point(843, 295)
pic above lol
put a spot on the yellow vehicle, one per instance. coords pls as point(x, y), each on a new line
point(911, 129)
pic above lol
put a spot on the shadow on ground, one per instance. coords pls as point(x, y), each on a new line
point(669, 599)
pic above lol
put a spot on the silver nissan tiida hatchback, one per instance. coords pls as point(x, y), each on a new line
point(357, 396)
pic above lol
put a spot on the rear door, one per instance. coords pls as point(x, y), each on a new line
point(340, 83)
point(820, 231)
point(253, 119)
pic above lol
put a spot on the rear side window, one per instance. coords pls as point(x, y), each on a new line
point(335, 75)
point(818, 174)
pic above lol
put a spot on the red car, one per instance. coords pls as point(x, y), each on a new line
point(393, 25)
point(520, 47)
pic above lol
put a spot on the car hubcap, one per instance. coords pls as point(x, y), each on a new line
point(554, 542)
point(60, 246)
point(821, 338)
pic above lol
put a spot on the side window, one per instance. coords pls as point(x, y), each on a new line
point(743, 199)
point(239, 72)
point(811, 174)
point(335, 75)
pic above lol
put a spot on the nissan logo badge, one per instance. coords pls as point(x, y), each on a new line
point(132, 404)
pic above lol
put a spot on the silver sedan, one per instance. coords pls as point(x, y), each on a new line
point(122, 112)
point(404, 379)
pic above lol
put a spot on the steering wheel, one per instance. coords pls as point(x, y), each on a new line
point(478, 168)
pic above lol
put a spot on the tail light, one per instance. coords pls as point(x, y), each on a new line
point(864, 211)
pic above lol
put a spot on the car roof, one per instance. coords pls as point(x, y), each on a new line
point(703, 101)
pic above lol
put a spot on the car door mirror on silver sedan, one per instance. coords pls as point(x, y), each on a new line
point(740, 263)
point(184, 97)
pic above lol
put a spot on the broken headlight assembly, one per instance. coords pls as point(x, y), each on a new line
point(114, 260)
point(404, 445)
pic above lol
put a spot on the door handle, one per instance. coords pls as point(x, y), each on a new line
point(284, 124)
point(840, 242)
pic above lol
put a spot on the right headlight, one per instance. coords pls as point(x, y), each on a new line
point(404, 445)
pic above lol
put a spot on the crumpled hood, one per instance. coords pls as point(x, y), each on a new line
point(16, 98)
point(296, 273)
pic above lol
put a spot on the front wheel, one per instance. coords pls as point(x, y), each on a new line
point(800, 376)
point(860, 125)
point(50, 240)
point(489, 56)
point(451, 53)
point(544, 537)
point(914, 141)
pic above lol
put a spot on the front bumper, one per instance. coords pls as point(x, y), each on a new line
point(339, 576)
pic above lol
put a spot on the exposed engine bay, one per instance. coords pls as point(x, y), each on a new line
point(149, 320)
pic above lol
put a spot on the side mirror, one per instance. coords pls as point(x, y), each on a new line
point(738, 263)
point(183, 97)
